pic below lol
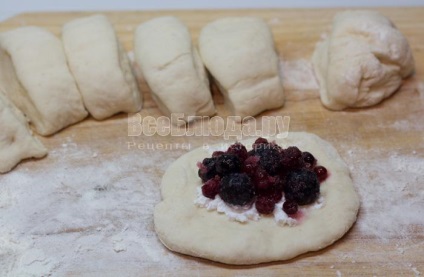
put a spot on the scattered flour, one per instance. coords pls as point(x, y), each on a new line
point(299, 79)
point(131, 56)
point(83, 217)
point(392, 198)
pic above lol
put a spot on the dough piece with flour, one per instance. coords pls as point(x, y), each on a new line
point(362, 61)
point(49, 96)
point(239, 53)
point(16, 140)
point(100, 66)
point(172, 68)
point(213, 236)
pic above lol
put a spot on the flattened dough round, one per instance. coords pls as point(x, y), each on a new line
point(188, 229)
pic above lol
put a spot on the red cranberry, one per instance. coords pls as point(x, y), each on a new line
point(262, 180)
point(290, 207)
point(279, 183)
point(250, 165)
point(264, 205)
point(275, 146)
point(260, 141)
point(217, 154)
point(239, 150)
point(271, 193)
point(211, 188)
point(321, 173)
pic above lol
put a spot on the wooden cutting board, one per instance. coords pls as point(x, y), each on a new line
point(389, 134)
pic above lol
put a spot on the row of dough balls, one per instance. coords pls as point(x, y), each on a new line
point(57, 83)
point(53, 83)
point(362, 62)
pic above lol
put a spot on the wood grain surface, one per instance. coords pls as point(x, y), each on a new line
point(372, 131)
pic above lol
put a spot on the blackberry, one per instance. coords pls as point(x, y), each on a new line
point(227, 163)
point(211, 188)
point(207, 169)
point(308, 160)
point(270, 158)
point(239, 150)
point(265, 205)
point(291, 158)
point(302, 186)
point(237, 189)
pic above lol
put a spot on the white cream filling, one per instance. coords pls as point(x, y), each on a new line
point(244, 214)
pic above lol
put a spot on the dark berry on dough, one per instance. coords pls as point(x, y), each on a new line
point(239, 150)
point(270, 158)
point(291, 158)
point(207, 169)
point(309, 160)
point(211, 188)
point(302, 186)
point(290, 207)
point(321, 173)
point(237, 189)
point(265, 205)
point(227, 164)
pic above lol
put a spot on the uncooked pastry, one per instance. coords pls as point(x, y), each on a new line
point(50, 97)
point(362, 61)
point(100, 66)
point(16, 140)
point(172, 68)
point(188, 229)
point(239, 53)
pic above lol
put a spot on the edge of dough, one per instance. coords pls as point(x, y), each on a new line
point(185, 228)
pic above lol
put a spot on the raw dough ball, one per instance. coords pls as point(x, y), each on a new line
point(49, 97)
point(172, 68)
point(239, 53)
point(183, 227)
point(100, 66)
point(362, 62)
point(16, 140)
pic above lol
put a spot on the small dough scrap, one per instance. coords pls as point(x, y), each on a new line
point(16, 140)
point(172, 68)
point(362, 61)
point(50, 97)
point(186, 228)
point(239, 53)
point(101, 67)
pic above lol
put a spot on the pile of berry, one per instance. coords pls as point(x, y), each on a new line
point(261, 176)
